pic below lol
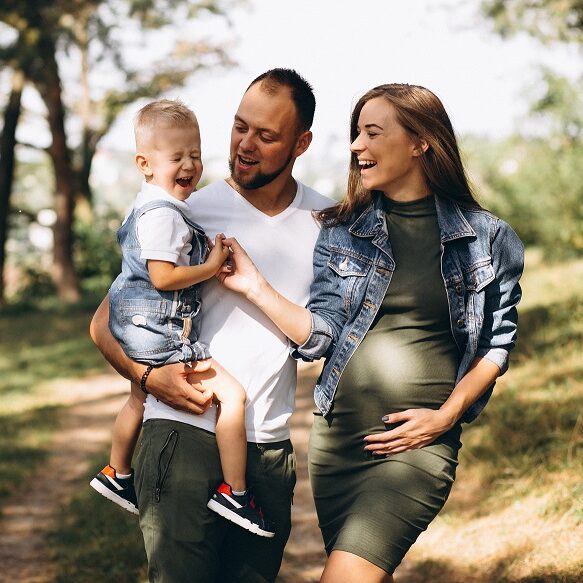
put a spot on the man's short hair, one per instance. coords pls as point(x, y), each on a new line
point(165, 113)
point(301, 91)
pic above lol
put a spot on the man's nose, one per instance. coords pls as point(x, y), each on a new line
point(247, 142)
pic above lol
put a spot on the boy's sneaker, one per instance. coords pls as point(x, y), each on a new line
point(242, 510)
point(118, 490)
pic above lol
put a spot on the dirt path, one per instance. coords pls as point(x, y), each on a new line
point(32, 512)
point(91, 405)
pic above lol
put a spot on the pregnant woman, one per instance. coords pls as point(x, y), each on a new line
point(413, 305)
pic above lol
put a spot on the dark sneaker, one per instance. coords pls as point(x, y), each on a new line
point(118, 490)
point(242, 510)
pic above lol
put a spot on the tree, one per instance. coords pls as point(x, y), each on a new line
point(48, 33)
point(547, 20)
point(7, 162)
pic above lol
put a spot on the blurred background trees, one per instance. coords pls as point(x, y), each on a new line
point(535, 178)
point(85, 62)
point(102, 42)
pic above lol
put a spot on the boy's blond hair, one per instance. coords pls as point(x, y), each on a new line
point(167, 113)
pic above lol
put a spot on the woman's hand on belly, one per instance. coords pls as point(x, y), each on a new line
point(418, 428)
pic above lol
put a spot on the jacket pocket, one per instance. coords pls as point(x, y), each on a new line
point(164, 459)
point(479, 275)
point(351, 272)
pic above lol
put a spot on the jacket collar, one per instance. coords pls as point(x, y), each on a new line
point(451, 221)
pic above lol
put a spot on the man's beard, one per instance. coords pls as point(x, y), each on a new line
point(260, 179)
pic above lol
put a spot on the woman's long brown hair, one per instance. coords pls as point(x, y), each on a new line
point(423, 116)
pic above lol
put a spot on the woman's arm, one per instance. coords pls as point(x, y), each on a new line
point(174, 384)
point(293, 320)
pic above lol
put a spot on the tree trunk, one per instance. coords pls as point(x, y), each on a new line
point(84, 200)
point(63, 272)
point(7, 164)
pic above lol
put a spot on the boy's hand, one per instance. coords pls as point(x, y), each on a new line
point(219, 253)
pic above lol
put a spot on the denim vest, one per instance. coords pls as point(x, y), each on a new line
point(481, 263)
point(154, 326)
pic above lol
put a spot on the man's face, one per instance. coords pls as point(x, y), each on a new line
point(264, 137)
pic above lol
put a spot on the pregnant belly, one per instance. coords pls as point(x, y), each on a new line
point(393, 372)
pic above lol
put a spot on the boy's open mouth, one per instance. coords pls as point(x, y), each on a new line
point(184, 182)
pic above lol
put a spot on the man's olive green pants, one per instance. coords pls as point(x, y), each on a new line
point(177, 469)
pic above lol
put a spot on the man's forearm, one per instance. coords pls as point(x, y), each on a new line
point(109, 346)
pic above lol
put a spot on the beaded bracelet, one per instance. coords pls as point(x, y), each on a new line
point(145, 378)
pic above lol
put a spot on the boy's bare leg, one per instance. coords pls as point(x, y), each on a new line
point(230, 429)
point(126, 431)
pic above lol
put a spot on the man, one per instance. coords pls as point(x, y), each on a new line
point(269, 212)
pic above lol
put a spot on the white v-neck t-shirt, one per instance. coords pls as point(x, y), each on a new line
point(241, 338)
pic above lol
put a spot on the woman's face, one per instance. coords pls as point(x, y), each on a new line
point(387, 155)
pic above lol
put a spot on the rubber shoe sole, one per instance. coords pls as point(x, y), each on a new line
point(239, 520)
point(105, 491)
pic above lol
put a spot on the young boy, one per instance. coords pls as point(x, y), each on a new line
point(155, 304)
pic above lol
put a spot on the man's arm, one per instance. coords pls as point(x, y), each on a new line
point(177, 385)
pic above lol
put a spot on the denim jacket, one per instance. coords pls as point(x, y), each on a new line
point(481, 263)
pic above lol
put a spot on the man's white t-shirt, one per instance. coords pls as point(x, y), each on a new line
point(241, 338)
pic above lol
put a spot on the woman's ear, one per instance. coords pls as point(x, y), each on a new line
point(421, 147)
point(143, 165)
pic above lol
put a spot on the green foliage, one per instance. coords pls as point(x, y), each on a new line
point(97, 253)
point(547, 20)
point(535, 182)
point(536, 186)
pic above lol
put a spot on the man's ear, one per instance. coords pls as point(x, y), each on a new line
point(143, 164)
point(303, 143)
point(421, 147)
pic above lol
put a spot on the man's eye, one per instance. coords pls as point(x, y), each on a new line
point(267, 139)
point(371, 134)
point(240, 129)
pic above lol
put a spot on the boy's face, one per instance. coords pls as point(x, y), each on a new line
point(171, 159)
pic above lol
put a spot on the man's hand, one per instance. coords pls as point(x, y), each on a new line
point(182, 387)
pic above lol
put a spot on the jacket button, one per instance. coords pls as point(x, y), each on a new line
point(458, 288)
point(460, 323)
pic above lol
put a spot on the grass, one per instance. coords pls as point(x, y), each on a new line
point(98, 542)
point(41, 344)
point(37, 347)
point(516, 512)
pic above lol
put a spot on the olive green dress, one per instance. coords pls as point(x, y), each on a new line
point(371, 506)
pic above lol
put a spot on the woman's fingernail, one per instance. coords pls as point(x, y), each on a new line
point(385, 418)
